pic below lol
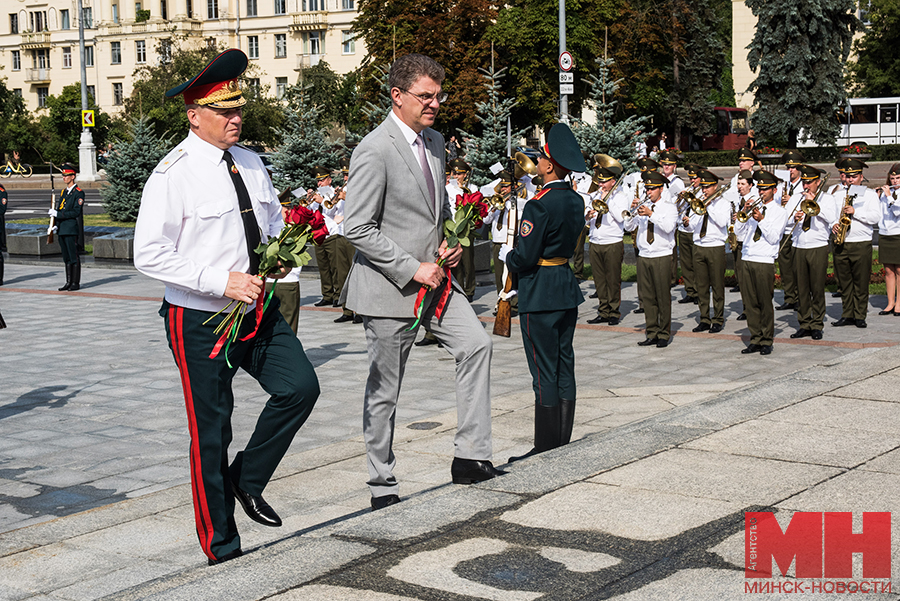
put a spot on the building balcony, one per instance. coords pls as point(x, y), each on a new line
point(312, 21)
point(37, 75)
point(33, 41)
point(305, 61)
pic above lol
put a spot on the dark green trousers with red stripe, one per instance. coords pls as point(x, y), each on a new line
point(548, 337)
point(275, 358)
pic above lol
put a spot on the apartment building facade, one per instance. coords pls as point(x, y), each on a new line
point(39, 48)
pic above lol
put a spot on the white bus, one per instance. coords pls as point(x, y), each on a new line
point(869, 120)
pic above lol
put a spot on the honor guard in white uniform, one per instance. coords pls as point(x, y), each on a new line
point(812, 227)
point(859, 212)
point(710, 229)
point(791, 196)
point(603, 213)
point(759, 225)
point(655, 223)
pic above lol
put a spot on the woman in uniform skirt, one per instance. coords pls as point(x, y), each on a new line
point(889, 239)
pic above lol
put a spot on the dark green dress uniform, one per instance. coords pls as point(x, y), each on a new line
point(68, 210)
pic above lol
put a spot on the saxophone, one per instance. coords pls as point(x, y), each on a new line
point(845, 220)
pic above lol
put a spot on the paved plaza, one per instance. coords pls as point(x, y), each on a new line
point(671, 447)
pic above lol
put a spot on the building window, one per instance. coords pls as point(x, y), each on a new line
point(279, 7)
point(280, 45)
point(38, 21)
point(253, 46)
point(88, 56)
point(16, 61)
point(137, 7)
point(313, 5)
point(88, 17)
point(280, 87)
point(67, 57)
point(91, 95)
point(64, 19)
point(165, 51)
point(163, 10)
point(347, 4)
point(42, 96)
point(40, 59)
point(140, 51)
point(251, 8)
point(115, 53)
point(14, 23)
point(118, 97)
point(212, 9)
point(17, 92)
point(348, 42)
point(313, 43)
point(253, 84)
point(115, 13)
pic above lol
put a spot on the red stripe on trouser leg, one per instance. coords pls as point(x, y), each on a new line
point(201, 509)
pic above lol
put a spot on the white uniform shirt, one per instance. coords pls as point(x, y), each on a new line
point(719, 212)
point(189, 231)
point(500, 220)
point(663, 220)
point(890, 215)
point(676, 185)
point(795, 191)
point(866, 215)
point(820, 225)
point(608, 228)
point(766, 248)
point(453, 190)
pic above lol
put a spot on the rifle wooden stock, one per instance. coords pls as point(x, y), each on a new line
point(52, 220)
point(502, 323)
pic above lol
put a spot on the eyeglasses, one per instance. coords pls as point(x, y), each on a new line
point(427, 99)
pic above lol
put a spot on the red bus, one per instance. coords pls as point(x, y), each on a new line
point(732, 125)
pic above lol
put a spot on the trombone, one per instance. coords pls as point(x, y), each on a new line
point(809, 207)
point(699, 206)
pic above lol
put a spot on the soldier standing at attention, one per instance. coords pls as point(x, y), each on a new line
point(67, 211)
point(548, 291)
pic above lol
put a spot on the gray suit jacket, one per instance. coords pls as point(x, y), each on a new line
point(391, 221)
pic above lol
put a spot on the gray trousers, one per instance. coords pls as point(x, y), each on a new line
point(389, 344)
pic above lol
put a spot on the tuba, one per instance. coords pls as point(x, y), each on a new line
point(615, 167)
point(524, 165)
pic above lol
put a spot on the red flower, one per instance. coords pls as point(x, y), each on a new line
point(301, 215)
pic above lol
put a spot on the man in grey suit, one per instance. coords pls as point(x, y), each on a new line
point(395, 207)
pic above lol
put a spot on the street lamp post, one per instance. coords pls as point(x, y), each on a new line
point(87, 152)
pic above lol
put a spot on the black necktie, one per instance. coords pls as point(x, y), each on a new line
point(650, 235)
point(703, 226)
point(251, 228)
point(758, 234)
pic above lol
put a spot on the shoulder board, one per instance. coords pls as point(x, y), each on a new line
point(170, 159)
point(78, 189)
point(541, 193)
point(2, 189)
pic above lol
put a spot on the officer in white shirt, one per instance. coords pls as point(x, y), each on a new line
point(710, 230)
point(811, 254)
point(761, 236)
point(791, 197)
point(684, 237)
point(204, 210)
point(606, 231)
point(655, 223)
point(668, 161)
point(746, 193)
point(860, 207)
point(889, 238)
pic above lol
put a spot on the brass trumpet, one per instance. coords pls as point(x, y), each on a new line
point(329, 203)
point(626, 214)
point(744, 215)
point(497, 202)
point(699, 206)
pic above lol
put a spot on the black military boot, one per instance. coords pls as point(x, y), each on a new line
point(566, 420)
point(68, 278)
point(76, 277)
point(546, 431)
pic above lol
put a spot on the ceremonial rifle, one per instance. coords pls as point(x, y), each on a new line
point(52, 206)
point(502, 323)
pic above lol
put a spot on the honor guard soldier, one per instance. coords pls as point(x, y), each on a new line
point(548, 291)
point(607, 229)
point(760, 224)
point(791, 197)
point(655, 223)
point(860, 211)
point(710, 228)
point(66, 213)
point(684, 238)
point(204, 210)
point(812, 227)
point(889, 239)
point(464, 272)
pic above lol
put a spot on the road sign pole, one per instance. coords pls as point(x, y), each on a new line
point(87, 152)
point(563, 98)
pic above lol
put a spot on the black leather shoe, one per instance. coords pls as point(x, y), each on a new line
point(426, 342)
point(885, 312)
point(861, 323)
point(647, 342)
point(753, 348)
point(736, 289)
point(686, 300)
point(765, 350)
point(592, 295)
point(323, 303)
point(234, 554)
point(385, 501)
point(844, 321)
point(836, 294)
point(715, 328)
point(742, 317)
point(470, 471)
point(638, 311)
point(357, 319)
point(256, 508)
point(800, 333)
point(701, 328)
point(343, 318)
point(336, 303)
point(785, 307)
point(613, 321)
point(598, 319)
point(816, 335)
point(660, 343)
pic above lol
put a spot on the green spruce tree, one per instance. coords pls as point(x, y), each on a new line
point(376, 113)
point(607, 135)
point(304, 143)
point(129, 166)
point(799, 49)
point(490, 147)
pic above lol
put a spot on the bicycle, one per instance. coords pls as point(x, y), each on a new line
point(23, 169)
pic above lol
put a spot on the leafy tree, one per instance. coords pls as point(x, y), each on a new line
point(876, 70)
point(608, 135)
point(323, 86)
point(304, 144)
point(129, 166)
point(348, 105)
point(799, 49)
point(488, 148)
point(61, 128)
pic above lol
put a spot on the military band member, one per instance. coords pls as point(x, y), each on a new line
point(889, 239)
point(325, 252)
point(710, 231)
point(549, 293)
point(853, 257)
point(811, 254)
point(761, 235)
point(844, 184)
point(68, 209)
point(790, 201)
point(606, 246)
point(746, 192)
point(500, 220)
point(464, 272)
point(746, 161)
point(655, 222)
point(635, 189)
point(668, 162)
point(684, 237)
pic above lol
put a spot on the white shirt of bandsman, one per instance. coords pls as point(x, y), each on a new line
point(865, 211)
point(718, 218)
point(609, 227)
point(768, 217)
point(820, 225)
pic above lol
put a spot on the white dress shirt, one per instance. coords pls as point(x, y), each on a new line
point(766, 248)
point(890, 215)
point(608, 228)
point(719, 212)
point(663, 220)
point(820, 225)
point(866, 212)
point(795, 191)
